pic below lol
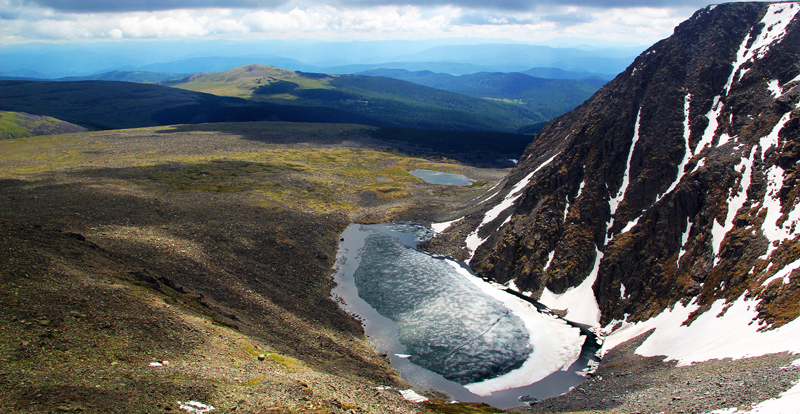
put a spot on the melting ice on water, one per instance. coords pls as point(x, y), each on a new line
point(444, 319)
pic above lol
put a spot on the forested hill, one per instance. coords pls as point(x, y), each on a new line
point(547, 97)
point(259, 93)
point(387, 100)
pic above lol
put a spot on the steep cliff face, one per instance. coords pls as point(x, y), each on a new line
point(676, 182)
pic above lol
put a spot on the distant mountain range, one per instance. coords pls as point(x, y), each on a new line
point(50, 61)
point(256, 93)
point(547, 97)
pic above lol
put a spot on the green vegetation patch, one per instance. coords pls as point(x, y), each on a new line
point(217, 176)
point(11, 126)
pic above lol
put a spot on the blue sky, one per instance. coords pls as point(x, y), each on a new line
point(609, 22)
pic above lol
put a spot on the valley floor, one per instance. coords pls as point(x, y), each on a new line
point(207, 249)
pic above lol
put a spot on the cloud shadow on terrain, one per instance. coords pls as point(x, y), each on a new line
point(479, 149)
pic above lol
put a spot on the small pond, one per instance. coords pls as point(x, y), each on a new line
point(441, 178)
point(446, 329)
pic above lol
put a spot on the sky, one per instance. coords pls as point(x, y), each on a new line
point(614, 22)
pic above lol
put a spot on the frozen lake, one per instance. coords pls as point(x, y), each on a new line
point(446, 329)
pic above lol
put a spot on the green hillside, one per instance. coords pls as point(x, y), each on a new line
point(20, 125)
point(300, 97)
point(390, 101)
point(114, 105)
point(548, 98)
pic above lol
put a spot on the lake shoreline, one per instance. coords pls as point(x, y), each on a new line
point(499, 396)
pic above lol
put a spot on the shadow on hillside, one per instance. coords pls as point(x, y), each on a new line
point(479, 149)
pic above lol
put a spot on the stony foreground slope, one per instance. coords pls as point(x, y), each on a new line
point(669, 197)
point(205, 246)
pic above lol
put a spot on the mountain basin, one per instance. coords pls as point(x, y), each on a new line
point(446, 329)
point(441, 178)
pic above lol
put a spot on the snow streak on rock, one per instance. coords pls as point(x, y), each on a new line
point(550, 257)
point(771, 140)
point(626, 178)
point(687, 155)
point(735, 202)
point(473, 240)
point(613, 203)
point(775, 21)
point(685, 239)
point(783, 273)
point(711, 129)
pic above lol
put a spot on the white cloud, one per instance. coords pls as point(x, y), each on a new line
point(643, 25)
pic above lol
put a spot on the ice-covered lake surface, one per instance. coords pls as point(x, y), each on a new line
point(446, 329)
point(441, 178)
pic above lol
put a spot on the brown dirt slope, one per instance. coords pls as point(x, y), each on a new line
point(202, 247)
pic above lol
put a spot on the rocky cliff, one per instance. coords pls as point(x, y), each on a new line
point(675, 184)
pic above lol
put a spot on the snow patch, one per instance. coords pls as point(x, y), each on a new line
point(783, 273)
point(774, 86)
point(723, 139)
point(630, 225)
point(579, 301)
point(511, 285)
point(195, 407)
point(440, 227)
point(412, 396)
point(774, 232)
point(787, 402)
point(726, 330)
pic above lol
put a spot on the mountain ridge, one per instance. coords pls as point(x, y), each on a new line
point(631, 206)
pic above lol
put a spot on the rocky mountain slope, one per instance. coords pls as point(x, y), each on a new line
point(672, 192)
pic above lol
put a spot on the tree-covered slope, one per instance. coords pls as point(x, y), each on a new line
point(391, 101)
point(546, 97)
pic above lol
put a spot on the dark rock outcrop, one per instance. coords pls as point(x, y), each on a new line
point(680, 174)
